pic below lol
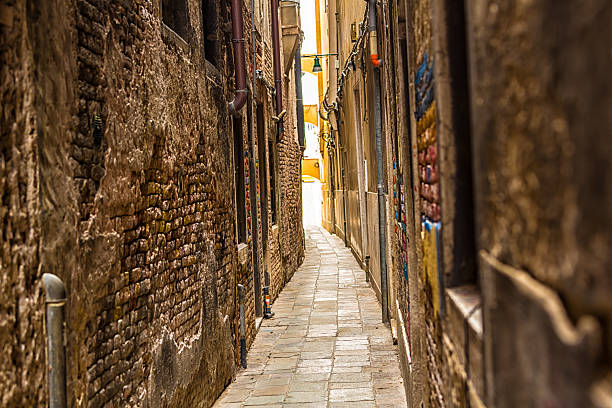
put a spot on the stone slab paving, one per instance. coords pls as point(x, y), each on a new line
point(326, 346)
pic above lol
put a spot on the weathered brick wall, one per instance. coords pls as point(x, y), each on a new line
point(174, 281)
point(286, 241)
point(116, 172)
point(442, 328)
point(21, 316)
point(290, 202)
point(428, 350)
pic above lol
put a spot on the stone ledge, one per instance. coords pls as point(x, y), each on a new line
point(243, 253)
point(525, 315)
point(464, 328)
point(172, 38)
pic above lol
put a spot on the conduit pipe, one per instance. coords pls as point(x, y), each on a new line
point(239, 62)
point(243, 348)
point(254, 56)
point(253, 175)
point(56, 354)
point(297, 67)
point(278, 81)
point(382, 218)
point(341, 148)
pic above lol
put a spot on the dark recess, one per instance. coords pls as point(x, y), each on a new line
point(174, 15)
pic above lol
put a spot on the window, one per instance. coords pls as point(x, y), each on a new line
point(210, 24)
point(174, 15)
point(239, 180)
point(272, 164)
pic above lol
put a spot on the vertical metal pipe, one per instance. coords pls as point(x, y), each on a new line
point(344, 203)
point(254, 218)
point(340, 147)
point(278, 79)
point(253, 31)
point(243, 348)
point(55, 301)
point(253, 174)
point(297, 68)
point(239, 63)
point(331, 188)
point(382, 218)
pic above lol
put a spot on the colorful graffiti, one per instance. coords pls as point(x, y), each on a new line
point(429, 178)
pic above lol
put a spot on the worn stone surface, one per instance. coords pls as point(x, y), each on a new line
point(530, 335)
point(326, 346)
point(541, 140)
point(539, 106)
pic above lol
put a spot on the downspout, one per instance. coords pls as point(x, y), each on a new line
point(278, 81)
point(341, 147)
point(331, 187)
point(239, 62)
point(243, 346)
point(382, 222)
point(297, 68)
point(56, 360)
point(254, 56)
point(253, 179)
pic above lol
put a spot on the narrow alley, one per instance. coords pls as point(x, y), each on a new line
point(326, 345)
point(307, 203)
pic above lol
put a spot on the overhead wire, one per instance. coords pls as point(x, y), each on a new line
point(327, 107)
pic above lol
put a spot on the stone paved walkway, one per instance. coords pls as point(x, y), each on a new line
point(326, 346)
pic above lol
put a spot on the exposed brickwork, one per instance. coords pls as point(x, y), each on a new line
point(89, 145)
point(126, 124)
point(21, 297)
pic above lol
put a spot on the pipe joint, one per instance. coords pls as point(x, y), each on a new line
point(55, 292)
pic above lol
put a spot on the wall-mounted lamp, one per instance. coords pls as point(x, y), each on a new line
point(317, 66)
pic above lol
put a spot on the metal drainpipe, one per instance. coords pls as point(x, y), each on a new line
point(252, 178)
point(331, 188)
point(55, 301)
point(239, 62)
point(341, 164)
point(346, 244)
point(253, 31)
point(278, 80)
point(243, 348)
point(297, 68)
point(382, 233)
